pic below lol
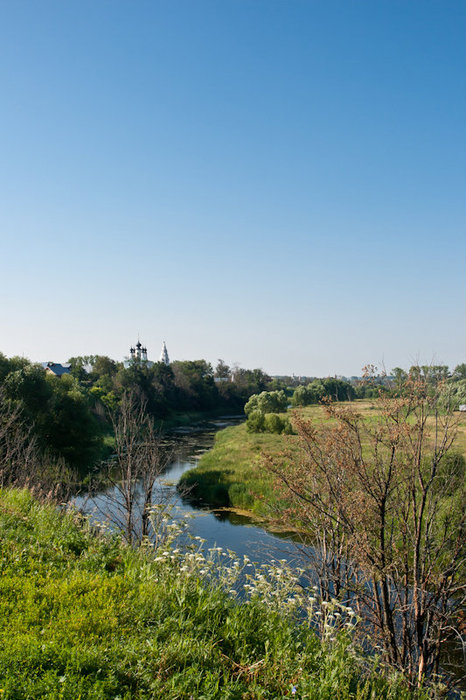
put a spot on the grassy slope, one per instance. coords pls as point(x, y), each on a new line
point(230, 474)
point(82, 616)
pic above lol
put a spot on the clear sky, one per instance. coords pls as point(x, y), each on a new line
point(279, 183)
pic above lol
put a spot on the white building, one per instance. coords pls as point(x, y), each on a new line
point(137, 355)
point(164, 355)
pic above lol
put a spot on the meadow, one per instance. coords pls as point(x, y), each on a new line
point(232, 474)
point(84, 616)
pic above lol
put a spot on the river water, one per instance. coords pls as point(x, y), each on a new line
point(225, 529)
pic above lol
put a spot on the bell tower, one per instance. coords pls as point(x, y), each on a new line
point(164, 355)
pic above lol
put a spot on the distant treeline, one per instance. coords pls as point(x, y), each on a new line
point(263, 409)
point(68, 417)
point(452, 384)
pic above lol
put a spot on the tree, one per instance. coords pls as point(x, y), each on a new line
point(222, 370)
point(22, 462)
point(384, 501)
point(267, 402)
point(195, 382)
point(141, 456)
point(67, 426)
point(307, 395)
point(459, 372)
point(29, 385)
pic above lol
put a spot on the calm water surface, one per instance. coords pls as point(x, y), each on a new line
point(223, 529)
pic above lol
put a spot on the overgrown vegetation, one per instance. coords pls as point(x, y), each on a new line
point(83, 615)
point(230, 474)
point(379, 489)
point(384, 502)
point(70, 418)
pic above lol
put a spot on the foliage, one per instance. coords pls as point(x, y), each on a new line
point(384, 501)
point(261, 410)
point(267, 402)
point(55, 412)
point(83, 616)
point(454, 394)
point(277, 424)
point(317, 390)
point(70, 417)
point(256, 421)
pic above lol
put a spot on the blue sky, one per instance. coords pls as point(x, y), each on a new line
point(279, 183)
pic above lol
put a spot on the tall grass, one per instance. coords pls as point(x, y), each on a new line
point(84, 616)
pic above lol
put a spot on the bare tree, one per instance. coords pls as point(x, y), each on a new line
point(22, 462)
point(141, 456)
point(383, 498)
point(18, 448)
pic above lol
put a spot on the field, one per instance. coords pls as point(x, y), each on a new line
point(231, 476)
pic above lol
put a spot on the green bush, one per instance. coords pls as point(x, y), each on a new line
point(256, 422)
point(259, 422)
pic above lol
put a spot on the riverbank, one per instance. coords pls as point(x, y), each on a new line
point(231, 474)
point(84, 616)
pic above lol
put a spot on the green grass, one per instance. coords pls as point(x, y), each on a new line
point(83, 616)
point(231, 476)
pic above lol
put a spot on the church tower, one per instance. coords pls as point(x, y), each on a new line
point(137, 356)
point(164, 355)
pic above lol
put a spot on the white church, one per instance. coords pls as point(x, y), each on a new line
point(138, 355)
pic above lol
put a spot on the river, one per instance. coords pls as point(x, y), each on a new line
point(225, 529)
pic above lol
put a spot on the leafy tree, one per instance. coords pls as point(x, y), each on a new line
point(250, 381)
point(267, 402)
point(454, 394)
point(307, 395)
point(103, 366)
point(29, 385)
point(400, 377)
point(222, 370)
point(332, 388)
point(195, 382)
point(459, 372)
point(67, 427)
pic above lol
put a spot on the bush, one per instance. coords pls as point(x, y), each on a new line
point(273, 423)
point(256, 422)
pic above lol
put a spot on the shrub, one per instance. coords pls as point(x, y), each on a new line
point(256, 422)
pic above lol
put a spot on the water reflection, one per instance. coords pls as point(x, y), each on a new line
point(219, 528)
